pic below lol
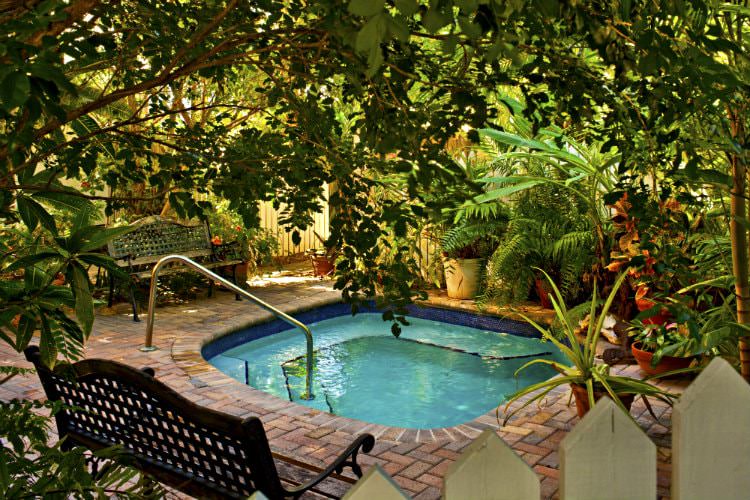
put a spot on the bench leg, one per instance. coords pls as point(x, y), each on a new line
point(234, 279)
point(111, 299)
point(135, 305)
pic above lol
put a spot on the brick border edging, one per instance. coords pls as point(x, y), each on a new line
point(186, 354)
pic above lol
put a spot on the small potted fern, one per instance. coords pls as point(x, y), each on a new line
point(466, 246)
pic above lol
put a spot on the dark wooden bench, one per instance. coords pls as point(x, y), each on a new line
point(156, 237)
point(199, 451)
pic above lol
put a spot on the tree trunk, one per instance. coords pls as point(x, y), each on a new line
point(740, 252)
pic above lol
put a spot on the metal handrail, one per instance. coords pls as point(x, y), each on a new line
point(244, 293)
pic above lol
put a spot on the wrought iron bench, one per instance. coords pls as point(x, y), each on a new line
point(155, 237)
point(199, 451)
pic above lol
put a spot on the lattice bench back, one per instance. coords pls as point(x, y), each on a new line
point(156, 236)
point(194, 449)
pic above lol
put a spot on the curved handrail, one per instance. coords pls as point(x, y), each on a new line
point(240, 291)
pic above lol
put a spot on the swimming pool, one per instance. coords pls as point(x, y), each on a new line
point(447, 368)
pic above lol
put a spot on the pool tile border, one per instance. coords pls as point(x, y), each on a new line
point(426, 311)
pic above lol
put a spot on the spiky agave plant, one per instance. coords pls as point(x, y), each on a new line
point(583, 369)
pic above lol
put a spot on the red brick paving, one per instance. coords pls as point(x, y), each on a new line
point(418, 460)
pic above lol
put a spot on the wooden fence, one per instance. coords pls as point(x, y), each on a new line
point(608, 456)
point(269, 220)
point(428, 257)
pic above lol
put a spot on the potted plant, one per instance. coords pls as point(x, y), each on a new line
point(546, 232)
point(588, 379)
point(652, 242)
point(465, 246)
point(232, 239)
point(652, 341)
point(323, 260)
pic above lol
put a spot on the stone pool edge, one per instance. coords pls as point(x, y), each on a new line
point(186, 352)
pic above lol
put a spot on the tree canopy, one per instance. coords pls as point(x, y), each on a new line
point(161, 101)
point(290, 96)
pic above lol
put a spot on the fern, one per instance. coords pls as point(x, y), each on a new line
point(476, 238)
point(547, 233)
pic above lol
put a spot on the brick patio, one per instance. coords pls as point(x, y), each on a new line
point(417, 459)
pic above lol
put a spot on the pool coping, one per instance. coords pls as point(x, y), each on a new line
point(186, 352)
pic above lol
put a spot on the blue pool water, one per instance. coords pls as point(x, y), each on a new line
point(436, 375)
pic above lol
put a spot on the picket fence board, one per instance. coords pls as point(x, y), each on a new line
point(375, 484)
point(711, 436)
point(490, 469)
point(606, 457)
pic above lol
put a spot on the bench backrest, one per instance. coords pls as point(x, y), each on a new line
point(200, 451)
point(157, 236)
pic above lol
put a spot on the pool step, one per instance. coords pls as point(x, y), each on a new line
point(294, 379)
point(483, 356)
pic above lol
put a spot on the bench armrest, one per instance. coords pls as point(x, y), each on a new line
point(348, 458)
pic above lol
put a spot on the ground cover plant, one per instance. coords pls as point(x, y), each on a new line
point(274, 99)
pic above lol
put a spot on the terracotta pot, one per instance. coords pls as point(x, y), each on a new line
point(582, 398)
point(242, 272)
point(665, 364)
point(543, 291)
point(462, 277)
point(322, 265)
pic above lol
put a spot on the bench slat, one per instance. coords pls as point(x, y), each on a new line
point(153, 259)
point(160, 236)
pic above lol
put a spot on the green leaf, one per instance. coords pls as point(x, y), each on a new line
point(47, 344)
point(398, 28)
point(54, 75)
point(374, 62)
point(371, 34)
point(4, 473)
point(103, 261)
point(26, 327)
point(79, 282)
point(27, 215)
point(64, 201)
point(14, 90)
point(471, 29)
point(497, 194)
point(35, 277)
point(95, 237)
point(84, 125)
point(467, 6)
point(30, 260)
point(433, 20)
point(366, 8)
point(33, 213)
point(407, 7)
point(448, 45)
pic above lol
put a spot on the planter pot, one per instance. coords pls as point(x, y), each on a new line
point(543, 291)
point(228, 271)
point(582, 398)
point(665, 364)
point(462, 277)
point(322, 265)
point(242, 273)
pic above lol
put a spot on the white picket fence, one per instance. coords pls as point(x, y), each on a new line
point(607, 455)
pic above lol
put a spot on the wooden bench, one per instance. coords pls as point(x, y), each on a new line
point(196, 450)
point(155, 237)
